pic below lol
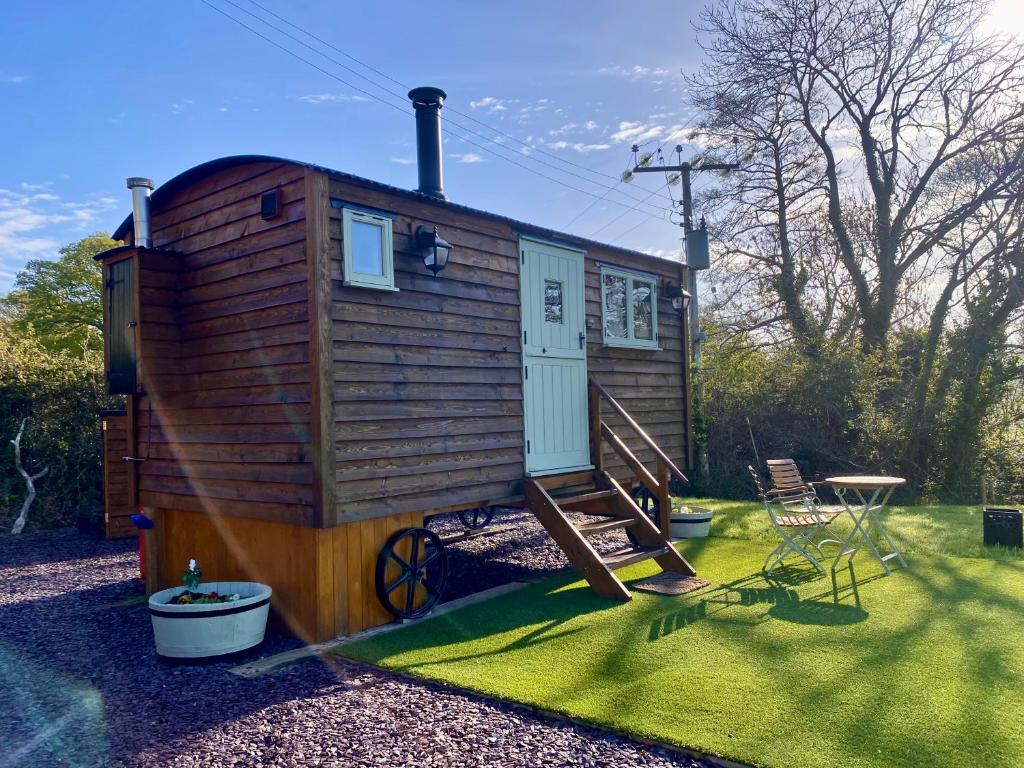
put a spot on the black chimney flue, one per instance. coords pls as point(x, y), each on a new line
point(427, 102)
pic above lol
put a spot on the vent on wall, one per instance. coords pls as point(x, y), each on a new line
point(270, 204)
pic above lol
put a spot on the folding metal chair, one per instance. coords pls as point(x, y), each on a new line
point(797, 519)
point(786, 477)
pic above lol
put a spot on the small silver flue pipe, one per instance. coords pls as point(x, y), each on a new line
point(141, 188)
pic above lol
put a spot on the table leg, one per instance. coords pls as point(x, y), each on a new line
point(847, 548)
point(875, 524)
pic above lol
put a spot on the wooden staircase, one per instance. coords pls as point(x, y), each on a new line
point(608, 507)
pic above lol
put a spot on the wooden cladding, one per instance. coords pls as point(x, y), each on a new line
point(255, 355)
point(427, 380)
point(117, 506)
point(323, 579)
point(224, 421)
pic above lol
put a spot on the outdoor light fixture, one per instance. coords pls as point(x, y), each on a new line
point(680, 298)
point(435, 251)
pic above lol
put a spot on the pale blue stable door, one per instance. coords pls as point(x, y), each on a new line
point(554, 358)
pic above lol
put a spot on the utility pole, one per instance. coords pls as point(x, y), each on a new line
point(697, 258)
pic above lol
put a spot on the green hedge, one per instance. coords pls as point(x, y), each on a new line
point(62, 395)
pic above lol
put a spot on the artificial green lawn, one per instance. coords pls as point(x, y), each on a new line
point(925, 668)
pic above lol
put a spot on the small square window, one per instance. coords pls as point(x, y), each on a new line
point(367, 250)
point(552, 301)
point(629, 307)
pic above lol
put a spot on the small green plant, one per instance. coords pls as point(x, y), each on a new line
point(192, 576)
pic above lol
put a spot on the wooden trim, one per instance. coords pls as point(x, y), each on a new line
point(322, 421)
point(630, 460)
point(644, 530)
point(137, 319)
point(648, 441)
point(684, 335)
point(577, 549)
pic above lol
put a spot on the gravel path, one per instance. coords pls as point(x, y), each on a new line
point(81, 686)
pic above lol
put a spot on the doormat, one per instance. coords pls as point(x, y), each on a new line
point(668, 583)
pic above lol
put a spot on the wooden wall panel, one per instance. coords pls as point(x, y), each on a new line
point(648, 383)
point(230, 548)
point(427, 381)
point(225, 420)
point(323, 579)
point(117, 505)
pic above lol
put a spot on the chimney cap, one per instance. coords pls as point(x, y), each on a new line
point(139, 181)
point(427, 96)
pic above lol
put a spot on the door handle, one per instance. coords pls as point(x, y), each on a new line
point(583, 339)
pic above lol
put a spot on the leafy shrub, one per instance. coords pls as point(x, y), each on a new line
point(61, 394)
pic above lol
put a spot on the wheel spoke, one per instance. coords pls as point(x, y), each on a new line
point(431, 589)
point(401, 563)
point(398, 582)
point(410, 597)
point(414, 557)
point(421, 551)
point(429, 559)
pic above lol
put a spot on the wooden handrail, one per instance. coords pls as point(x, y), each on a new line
point(631, 422)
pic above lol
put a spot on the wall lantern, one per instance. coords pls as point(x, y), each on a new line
point(680, 298)
point(434, 250)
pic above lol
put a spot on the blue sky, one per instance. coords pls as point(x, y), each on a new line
point(94, 92)
point(91, 93)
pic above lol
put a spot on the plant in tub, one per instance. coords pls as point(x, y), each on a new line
point(208, 619)
point(191, 596)
point(690, 522)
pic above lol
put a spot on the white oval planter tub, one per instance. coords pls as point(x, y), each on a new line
point(196, 631)
point(694, 524)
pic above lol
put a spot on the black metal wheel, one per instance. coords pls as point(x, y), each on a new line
point(648, 505)
point(476, 518)
point(412, 570)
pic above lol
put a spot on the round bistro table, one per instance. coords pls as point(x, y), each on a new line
point(871, 494)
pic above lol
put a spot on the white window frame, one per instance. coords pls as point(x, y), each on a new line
point(630, 341)
point(384, 282)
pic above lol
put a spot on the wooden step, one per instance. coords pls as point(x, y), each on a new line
point(631, 555)
point(569, 480)
point(603, 526)
point(565, 501)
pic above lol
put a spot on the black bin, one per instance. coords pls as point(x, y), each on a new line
point(1003, 526)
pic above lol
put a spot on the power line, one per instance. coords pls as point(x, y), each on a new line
point(450, 108)
point(608, 223)
point(449, 122)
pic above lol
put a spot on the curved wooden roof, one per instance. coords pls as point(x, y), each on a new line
point(193, 175)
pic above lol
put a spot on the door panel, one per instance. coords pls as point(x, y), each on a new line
point(554, 358)
point(120, 336)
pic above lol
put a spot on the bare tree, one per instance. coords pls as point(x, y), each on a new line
point(867, 109)
point(30, 481)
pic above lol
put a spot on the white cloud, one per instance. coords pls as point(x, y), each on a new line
point(491, 104)
point(179, 106)
point(588, 126)
point(12, 79)
point(222, 109)
point(637, 132)
point(402, 160)
point(577, 146)
point(34, 222)
point(324, 98)
point(468, 157)
point(635, 72)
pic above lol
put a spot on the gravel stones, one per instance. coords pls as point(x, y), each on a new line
point(82, 686)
